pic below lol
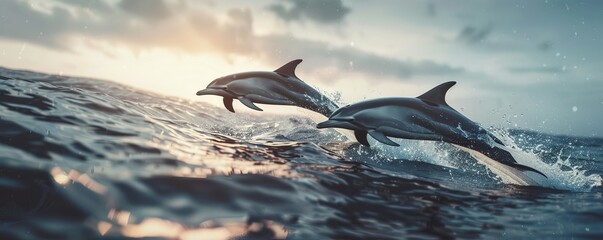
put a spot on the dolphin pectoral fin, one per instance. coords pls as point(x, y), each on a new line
point(525, 168)
point(245, 101)
point(228, 103)
point(361, 137)
point(379, 136)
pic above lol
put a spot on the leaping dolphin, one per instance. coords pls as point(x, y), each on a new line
point(426, 117)
point(280, 87)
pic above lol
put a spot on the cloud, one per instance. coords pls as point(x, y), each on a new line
point(101, 6)
point(198, 31)
point(320, 11)
point(65, 21)
point(19, 21)
point(545, 46)
point(431, 9)
point(147, 9)
point(473, 35)
point(543, 69)
point(347, 58)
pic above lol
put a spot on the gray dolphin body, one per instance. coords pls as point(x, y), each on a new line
point(427, 117)
point(279, 87)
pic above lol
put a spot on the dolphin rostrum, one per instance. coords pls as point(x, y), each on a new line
point(426, 117)
point(279, 87)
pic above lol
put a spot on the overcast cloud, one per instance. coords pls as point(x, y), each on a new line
point(320, 11)
point(199, 31)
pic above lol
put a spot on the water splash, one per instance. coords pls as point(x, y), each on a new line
point(562, 173)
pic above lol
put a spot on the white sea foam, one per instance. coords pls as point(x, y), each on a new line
point(563, 174)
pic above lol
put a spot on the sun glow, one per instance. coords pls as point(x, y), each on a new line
point(157, 70)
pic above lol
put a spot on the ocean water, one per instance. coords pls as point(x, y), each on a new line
point(89, 159)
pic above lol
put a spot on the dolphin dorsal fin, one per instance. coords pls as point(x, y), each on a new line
point(289, 68)
point(437, 94)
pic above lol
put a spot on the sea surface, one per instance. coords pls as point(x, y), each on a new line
point(89, 159)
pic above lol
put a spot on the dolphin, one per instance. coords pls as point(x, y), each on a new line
point(426, 117)
point(279, 87)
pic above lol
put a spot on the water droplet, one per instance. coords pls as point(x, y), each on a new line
point(574, 109)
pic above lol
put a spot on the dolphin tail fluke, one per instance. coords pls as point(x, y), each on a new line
point(504, 157)
point(361, 137)
point(228, 103)
point(245, 101)
point(525, 168)
point(379, 136)
point(507, 172)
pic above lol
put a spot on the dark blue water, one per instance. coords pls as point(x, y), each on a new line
point(88, 159)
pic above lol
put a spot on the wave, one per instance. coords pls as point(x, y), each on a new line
point(103, 159)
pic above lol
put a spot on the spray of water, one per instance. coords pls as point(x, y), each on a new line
point(562, 174)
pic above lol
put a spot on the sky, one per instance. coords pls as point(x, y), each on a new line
point(520, 64)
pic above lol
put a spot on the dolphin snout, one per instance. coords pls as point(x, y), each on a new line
point(211, 91)
point(203, 92)
point(335, 124)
